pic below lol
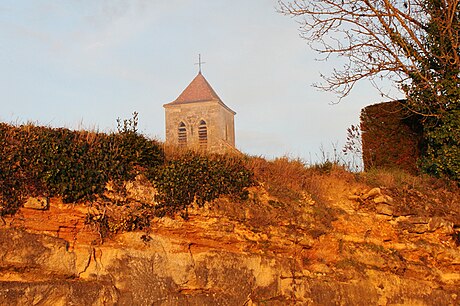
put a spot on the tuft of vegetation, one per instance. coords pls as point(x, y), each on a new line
point(288, 179)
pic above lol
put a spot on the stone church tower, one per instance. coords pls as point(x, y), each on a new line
point(198, 119)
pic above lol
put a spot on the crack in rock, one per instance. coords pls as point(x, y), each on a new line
point(91, 254)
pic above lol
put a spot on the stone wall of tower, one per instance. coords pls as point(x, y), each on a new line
point(219, 122)
point(391, 137)
point(225, 127)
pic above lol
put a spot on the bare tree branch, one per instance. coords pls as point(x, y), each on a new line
point(389, 38)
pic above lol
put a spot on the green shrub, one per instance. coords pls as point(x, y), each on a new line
point(442, 142)
point(193, 178)
point(75, 165)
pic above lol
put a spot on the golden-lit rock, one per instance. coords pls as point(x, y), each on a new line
point(281, 247)
point(39, 203)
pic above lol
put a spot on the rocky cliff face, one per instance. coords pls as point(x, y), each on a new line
point(354, 246)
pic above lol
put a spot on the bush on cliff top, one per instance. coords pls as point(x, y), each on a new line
point(192, 178)
point(75, 165)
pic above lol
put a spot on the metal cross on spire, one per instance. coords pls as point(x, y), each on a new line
point(199, 63)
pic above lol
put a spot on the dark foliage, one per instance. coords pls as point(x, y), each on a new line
point(75, 165)
point(192, 178)
point(435, 92)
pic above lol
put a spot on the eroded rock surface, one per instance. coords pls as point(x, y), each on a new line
point(343, 251)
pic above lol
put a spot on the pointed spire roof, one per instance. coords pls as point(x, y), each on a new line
point(199, 90)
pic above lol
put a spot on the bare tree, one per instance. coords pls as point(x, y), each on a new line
point(414, 43)
point(384, 39)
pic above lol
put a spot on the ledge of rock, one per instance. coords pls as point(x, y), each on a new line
point(316, 252)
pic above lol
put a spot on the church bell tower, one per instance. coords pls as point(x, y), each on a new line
point(199, 119)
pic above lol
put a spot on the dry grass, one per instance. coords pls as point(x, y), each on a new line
point(420, 195)
point(391, 178)
point(290, 180)
point(283, 178)
point(400, 179)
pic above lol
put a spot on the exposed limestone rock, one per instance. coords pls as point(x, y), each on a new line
point(441, 224)
point(39, 203)
point(384, 209)
point(383, 199)
point(58, 293)
point(354, 197)
point(267, 252)
point(169, 272)
point(35, 254)
point(374, 192)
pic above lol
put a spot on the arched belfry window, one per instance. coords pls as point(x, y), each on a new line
point(182, 134)
point(203, 133)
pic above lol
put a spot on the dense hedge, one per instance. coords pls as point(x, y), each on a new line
point(192, 178)
point(75, 165)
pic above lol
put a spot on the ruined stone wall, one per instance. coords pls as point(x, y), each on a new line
point(391, 137)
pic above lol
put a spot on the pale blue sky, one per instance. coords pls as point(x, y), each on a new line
point(83, 63)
